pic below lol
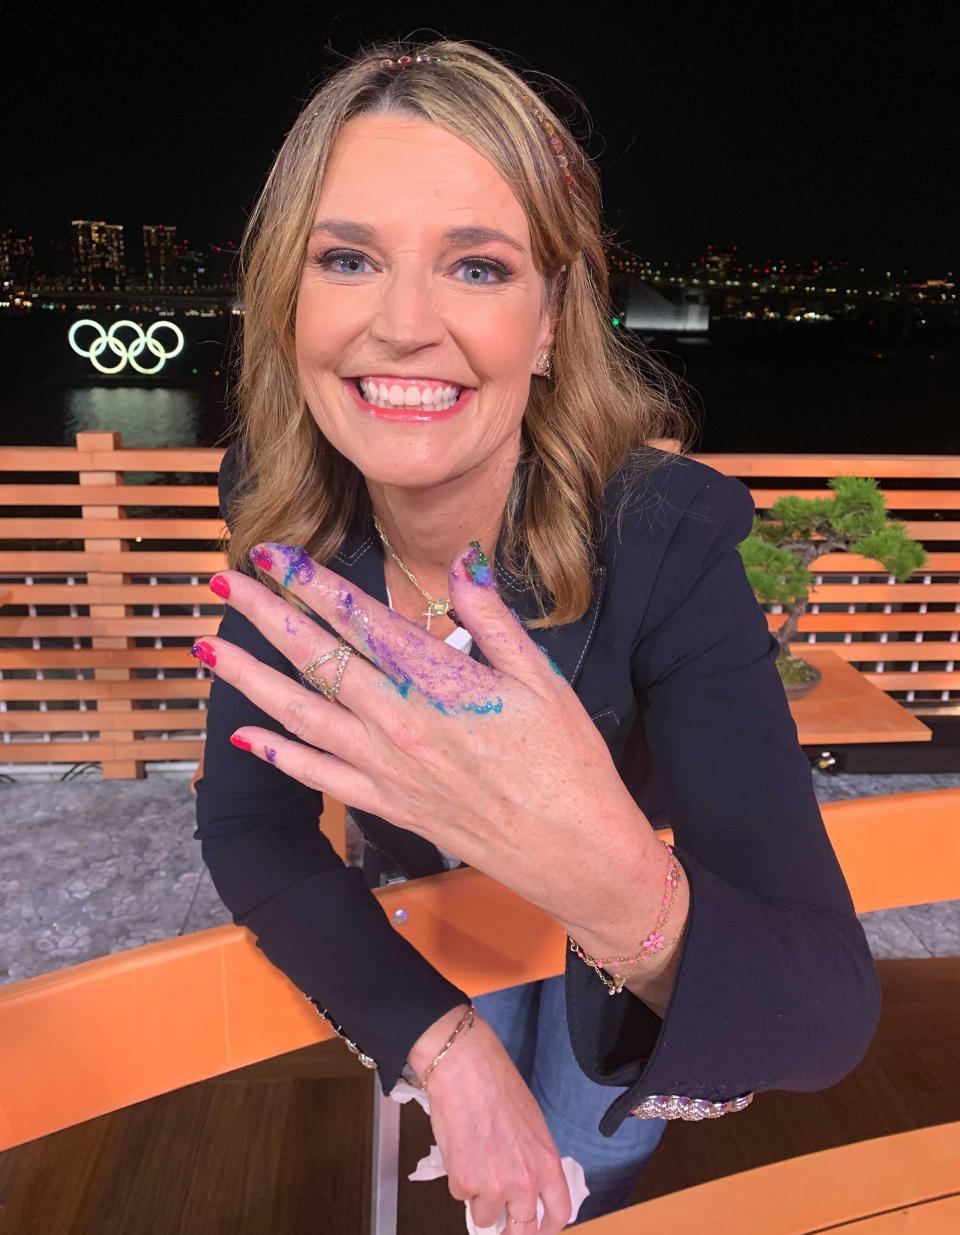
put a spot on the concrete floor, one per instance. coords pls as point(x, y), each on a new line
point(93, 867)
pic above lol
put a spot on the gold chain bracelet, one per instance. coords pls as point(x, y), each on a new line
point(654, 943)
point(465, 1024)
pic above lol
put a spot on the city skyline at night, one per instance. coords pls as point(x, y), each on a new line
point(679, 296)
point(162, 251)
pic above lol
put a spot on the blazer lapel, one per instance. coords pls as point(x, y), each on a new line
point(360, 561)
point(567, 646)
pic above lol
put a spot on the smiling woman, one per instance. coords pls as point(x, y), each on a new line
point(434, 327)
point(441, 446)
point(408, 202)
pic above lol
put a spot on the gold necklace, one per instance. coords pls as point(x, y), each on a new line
point(437, 606)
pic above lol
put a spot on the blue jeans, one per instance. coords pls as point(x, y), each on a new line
point(531, 1022)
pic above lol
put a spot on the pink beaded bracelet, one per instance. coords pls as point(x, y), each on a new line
point(654, 943)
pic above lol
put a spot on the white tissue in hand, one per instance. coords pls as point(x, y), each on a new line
point(403, 1092)
point(432, 1167)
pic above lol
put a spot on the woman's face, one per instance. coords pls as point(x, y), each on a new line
point(420, 315)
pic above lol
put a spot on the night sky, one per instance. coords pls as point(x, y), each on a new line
point(824, 130)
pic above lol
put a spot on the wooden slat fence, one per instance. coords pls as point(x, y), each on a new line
point(902, 636)
point(107, 589)
point(108, 552)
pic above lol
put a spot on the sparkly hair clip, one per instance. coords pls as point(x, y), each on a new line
point(553, 141)
point(404, 62)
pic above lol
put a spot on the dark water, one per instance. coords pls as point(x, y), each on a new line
point(48, 394)
point(804, 392)
point(810, 394)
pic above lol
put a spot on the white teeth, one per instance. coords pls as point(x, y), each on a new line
point(379, 394)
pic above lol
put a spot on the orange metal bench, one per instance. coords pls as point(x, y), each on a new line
point(893, 1185)
point(82, 1041)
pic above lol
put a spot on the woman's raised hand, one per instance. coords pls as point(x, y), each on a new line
point(499, 763)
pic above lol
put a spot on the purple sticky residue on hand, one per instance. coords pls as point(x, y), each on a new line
point(383, 653)
point(414, 661)
point(298, 564)
point(292, 625)
point(270, 753)
point(260, 557)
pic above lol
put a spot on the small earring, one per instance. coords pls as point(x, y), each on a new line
point(543, 364)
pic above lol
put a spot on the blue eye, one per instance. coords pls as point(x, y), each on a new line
point(482, 271)
point(342, 261)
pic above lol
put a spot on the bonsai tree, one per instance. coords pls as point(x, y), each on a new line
point(778, 552)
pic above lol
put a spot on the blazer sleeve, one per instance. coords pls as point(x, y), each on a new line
point(775, 988)
point(314, 918)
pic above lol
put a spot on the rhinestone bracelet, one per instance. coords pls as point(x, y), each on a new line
point(338, 1030)
point(654, 943)
point(673, 1106)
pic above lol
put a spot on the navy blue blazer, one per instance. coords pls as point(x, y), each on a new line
point(673, 660)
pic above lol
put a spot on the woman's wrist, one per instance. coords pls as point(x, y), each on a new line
point(641, 954)
point(431, 1042)
point(611, 880)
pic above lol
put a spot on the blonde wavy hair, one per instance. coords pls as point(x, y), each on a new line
point(603, 402)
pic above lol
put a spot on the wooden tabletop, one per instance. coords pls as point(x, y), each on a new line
point(845, 707)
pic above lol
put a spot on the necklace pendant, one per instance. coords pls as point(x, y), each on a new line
point(436, 608)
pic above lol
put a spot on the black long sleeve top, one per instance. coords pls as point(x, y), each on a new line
point(775, 988)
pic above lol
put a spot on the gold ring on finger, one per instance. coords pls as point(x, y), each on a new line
point(341, 654)
point(520, 1221)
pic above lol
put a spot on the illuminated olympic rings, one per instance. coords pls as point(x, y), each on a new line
point(107, 340)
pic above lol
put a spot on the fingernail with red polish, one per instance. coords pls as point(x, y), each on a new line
point(237, 740)
point(205, 653)
point(219, 585)
point(260, 557)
